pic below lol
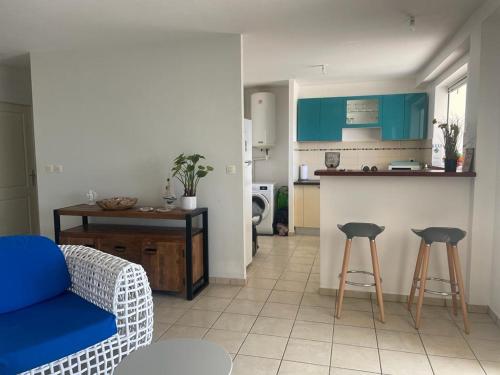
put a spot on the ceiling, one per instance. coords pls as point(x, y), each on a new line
point(283, 39)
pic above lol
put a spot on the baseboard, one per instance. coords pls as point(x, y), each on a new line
point(494, 316)
point(388, 297)
point(227, 281)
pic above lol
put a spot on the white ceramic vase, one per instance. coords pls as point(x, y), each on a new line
point(188, 203)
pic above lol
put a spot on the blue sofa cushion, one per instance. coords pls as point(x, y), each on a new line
point(32, 269)
point(50, 330)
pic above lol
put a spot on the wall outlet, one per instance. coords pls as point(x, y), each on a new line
point(49, 168)
point(230, 169)
point(58, 168)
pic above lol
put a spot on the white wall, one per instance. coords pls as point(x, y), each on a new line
point(116, 118)
point(15, 85)
point(276, 168)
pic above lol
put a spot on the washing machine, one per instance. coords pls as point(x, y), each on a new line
point(263, 200)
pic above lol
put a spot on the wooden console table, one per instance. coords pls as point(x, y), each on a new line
point(149, 246)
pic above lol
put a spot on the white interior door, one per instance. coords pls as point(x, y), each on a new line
point(18, 201)
point(247, 188)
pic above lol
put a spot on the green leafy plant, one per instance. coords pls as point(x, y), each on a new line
point(187, 170)
point(450, 135)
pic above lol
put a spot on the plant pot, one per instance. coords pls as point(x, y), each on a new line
point(450, 165)
point(188, 203)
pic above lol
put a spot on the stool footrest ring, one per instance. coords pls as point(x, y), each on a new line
point(416, 284)
point(366, 285)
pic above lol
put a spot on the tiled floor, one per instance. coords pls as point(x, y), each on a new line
point(279, 324)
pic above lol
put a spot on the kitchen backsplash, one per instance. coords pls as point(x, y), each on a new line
point(354, 155)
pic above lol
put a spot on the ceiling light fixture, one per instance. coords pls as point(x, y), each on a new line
point(411, 23)
point(322, 66)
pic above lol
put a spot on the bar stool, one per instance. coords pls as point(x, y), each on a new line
point(451, 237)
point(369, 231)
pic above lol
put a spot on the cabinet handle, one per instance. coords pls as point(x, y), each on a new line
point(120, 249)
point(150, 250)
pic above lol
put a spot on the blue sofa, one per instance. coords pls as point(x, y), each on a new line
point(69, 309)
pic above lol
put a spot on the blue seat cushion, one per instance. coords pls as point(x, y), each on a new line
point(51, 330)
point(32, 270)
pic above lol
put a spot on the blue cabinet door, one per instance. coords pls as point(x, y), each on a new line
point(332, 119)
point(308, 119)
point(416, 108)
point(393, 117)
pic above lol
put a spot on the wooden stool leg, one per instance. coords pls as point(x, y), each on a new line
point(378, 283)
point(451, 267)
point(461, 290)
point(416, 274)
point(423, 281)
point(343, 276)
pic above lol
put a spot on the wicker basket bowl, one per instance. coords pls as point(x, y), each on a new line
point(117, 203)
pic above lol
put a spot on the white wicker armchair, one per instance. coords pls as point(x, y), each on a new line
point(119, 287)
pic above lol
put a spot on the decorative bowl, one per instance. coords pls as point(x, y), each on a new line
point(117, 203)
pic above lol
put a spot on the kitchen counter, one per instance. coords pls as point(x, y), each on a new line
point(400, 204)
point(306, 182)
point(387, 173)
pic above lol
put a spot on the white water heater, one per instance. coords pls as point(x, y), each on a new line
point(263, 110)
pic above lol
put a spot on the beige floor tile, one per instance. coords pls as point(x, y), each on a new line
point(356, 318)
point(260, 283)
point(294, 276)
point(243, 306)
point(166, 314)
point(235, 322)
point(230, 340)
point(296, 267)
point(357, 304)
point(246, 365)
point(272, 326)
point(400, 341)
point(198, 318)
point(486, 331)
point(315, 314)
point(254, 294)
point(265, 273)
point(307, 351)
point(312, 286)
point(438, 327)
point(485, 350)
point(393, 308)
point(355, 358)
point(344, 371)
point(297, 368)
point(222, 291)
point(212, 303)
point(159, 329)
point(184, 332)
point(355, 336)
point(401, 323)
point(432, 312)
point(454, 366)
point(264, 346)
point(312, 299)
point(309, 260)
point(281, 296)
point(312, 331)
point(177, 302)
point(491, 368)
point(279, 310)
point(403, 363)
point(447, 346)
point(290, 286)
point(473, 317)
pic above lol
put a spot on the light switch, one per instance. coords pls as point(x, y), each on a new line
point(49, 168)
point(230, 169)
point(58, 168)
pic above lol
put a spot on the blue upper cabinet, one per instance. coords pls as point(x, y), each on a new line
point(308, 119)
point(320, 119)
point(416, 108)
point(393, 117)
point(400, 116)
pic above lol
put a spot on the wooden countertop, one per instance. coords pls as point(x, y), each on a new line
point(387, 173)
point(307, 182)
point(96, 211)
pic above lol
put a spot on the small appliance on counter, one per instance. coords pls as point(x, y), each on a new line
point(303, 172)
point(332, 159)
point(405, 165)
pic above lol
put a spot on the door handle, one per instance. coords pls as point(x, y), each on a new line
point(33, 177)
point(120, 249)
point(248, 162)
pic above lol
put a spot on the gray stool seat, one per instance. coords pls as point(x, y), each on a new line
point(440, 234)
point(369, 230)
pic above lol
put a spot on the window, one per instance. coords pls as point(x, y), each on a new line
point(456, 109)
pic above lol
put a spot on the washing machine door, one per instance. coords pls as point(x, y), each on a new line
point(260, 206)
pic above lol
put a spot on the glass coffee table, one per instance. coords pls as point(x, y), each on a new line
point(177, 357)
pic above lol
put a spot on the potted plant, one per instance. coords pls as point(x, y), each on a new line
point(450, 136)
point(187, 170)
